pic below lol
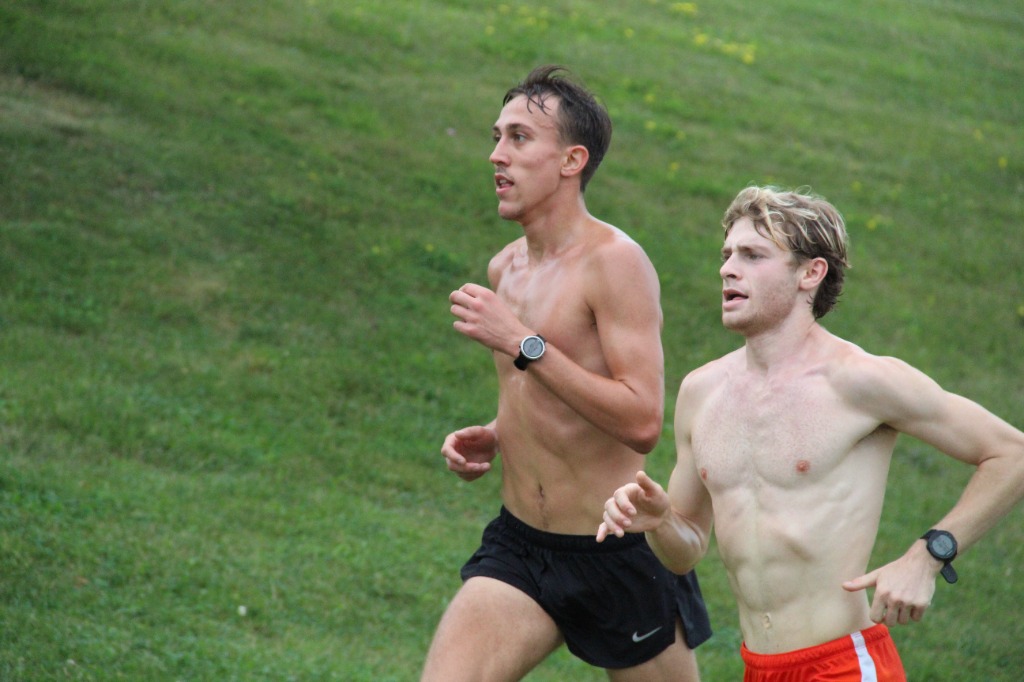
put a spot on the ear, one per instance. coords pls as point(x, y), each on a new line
point(575, 160)
point(813, 273)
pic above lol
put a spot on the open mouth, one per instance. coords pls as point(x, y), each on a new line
point(733, 295)
point(502, 181)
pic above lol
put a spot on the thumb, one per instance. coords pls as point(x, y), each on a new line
point(861, 583)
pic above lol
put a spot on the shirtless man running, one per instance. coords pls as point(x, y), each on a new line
point(573, 321)
point(785, 444)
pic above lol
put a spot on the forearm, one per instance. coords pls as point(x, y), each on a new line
point(630, 414)
point(995, 488)
point(677, 543)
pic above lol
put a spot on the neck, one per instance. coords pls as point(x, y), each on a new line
point(783, 345)
point(551, 231)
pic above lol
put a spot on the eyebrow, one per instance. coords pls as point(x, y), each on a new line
point(760, 248)
point(511, 127)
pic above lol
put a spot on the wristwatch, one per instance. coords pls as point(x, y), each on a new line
point(530, 349)
point(942, 545)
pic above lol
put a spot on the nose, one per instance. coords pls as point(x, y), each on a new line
point(498, 156)
point(726, 270)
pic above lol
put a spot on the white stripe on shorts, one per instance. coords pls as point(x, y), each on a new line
point(867, 665)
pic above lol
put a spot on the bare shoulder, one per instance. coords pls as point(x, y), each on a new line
point(698, 385)
point(617, 261)
point(885, 386)
point(610, 245)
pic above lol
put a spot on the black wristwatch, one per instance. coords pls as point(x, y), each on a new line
point(942, 545)
point(531, 349)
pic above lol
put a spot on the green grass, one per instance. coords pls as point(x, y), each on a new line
point(227, 235)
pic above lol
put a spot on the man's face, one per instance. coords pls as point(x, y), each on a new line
point(528, 156)
point(760, 281)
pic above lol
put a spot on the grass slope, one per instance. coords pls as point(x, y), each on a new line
point(227, 235)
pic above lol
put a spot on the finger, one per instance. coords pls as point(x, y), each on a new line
point(617, 527)
point(894, 614)
point(467, 467)
point(613, 516)
point(648, 486)
point(644, 481)
point(602, 532)
point(454, 459)
point(468, 289)
point(623, 507)
point(861, 583)
point(467, 434)
point(450, 452)
point(878, 609)
point(881, 608)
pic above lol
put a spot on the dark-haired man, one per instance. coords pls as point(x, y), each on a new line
point(785, 445)
point(573, 320)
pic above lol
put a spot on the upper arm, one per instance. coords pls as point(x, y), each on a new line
point(912, 403)
point(625, 297)
point(687, 493)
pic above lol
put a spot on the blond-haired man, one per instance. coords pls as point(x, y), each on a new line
point(785, 443)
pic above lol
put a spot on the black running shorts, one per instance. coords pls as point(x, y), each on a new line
point(614, 602)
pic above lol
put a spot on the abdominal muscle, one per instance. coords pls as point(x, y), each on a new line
point(787, 570)
point(558, 469)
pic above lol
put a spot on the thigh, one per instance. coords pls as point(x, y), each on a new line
point(678, 663)
point(490, 632)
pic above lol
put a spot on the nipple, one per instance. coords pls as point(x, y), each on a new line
point(703, 474)
point(803, 466)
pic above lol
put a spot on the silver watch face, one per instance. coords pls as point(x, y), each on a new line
point(532, 347)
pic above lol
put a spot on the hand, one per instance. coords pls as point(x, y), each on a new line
point(634, 508)
point(469, 451)
point(486, 319)
point(903, 588)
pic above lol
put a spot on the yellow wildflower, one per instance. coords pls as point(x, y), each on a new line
point(685, 8)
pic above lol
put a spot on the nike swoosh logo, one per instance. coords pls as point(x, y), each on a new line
point(640, 638)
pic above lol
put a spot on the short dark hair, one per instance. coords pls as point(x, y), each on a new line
point(581, 119)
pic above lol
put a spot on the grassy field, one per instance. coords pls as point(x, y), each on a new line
point(227, 235)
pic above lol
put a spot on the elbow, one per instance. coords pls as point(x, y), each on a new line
point(645, 437)
point(681, 568)
point(644, 445)
point(684, 564)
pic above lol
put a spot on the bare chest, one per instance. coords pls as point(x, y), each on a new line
point(548, 298)
point(781, 434)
